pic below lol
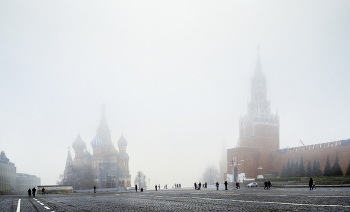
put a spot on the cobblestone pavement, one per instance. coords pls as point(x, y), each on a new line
point(244, 199)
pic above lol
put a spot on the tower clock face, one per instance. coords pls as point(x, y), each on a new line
point(265, 104)
point(252, 106)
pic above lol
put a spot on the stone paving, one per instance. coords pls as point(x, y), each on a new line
point(244, 199)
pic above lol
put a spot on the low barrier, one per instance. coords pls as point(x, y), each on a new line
point(56, 189)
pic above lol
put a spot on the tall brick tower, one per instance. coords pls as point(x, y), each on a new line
point(258, 134)
point(259, 128)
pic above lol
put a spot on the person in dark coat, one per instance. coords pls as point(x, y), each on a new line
point(311, 183)
point(33, 191)
point(94, 189)
point(195, 186)
point(43, 191)
point(29, 192)
point(225, 185)
point(135, 187)
point(217, 185)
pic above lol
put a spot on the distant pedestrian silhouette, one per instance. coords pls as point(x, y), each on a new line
point(33, 191)
point(311, 183)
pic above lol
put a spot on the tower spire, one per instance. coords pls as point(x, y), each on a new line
point(103, 130)
point(258, 70)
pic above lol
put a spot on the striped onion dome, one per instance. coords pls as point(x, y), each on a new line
point(79, 143)
point(96, 142)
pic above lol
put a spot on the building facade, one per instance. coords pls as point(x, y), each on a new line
point(25, 182)
point(110, 167)
point(258, 152)
point(7, 174)
point(12, 182)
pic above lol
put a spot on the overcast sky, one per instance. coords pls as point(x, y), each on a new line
point(174, 76)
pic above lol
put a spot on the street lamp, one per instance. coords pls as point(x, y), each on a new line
point(139, 179)
point(210, 177)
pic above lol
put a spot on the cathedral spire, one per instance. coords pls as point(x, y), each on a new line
point(69, 163)
point(103, 130)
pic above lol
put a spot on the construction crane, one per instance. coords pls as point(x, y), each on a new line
point(302, 143)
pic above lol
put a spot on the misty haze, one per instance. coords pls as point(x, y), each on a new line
point(151, 93)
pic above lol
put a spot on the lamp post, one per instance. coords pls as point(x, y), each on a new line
point(210, 177)
point(139, 179)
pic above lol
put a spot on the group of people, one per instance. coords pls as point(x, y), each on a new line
point(267, 184)
point(141, 189)
point(177, 185)
point(33, 190)
point(199, 186)
point(312, 184)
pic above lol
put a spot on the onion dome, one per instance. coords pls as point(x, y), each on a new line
point(122, 141)
point(96, 142)
point(86, 154)
point(79, 143)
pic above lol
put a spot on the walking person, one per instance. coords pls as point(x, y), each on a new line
point(314, 185)
point(159, 186)
point(195, 186)
point(156, 187)
point(33, 191)
point(225, 185)
point(199, 185)
point(265, 184)
point(217, 185)
point(135, 187)
point(311, 182)
point(43, 191)
point(29, 192)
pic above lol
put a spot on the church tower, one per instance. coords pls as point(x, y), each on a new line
point(103, 131)
point(259, 128)
point(258, 134)
point(68, 169)
point(79, 145)
point(123, 159)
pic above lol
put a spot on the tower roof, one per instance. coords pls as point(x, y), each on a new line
point(103, 130)
point(96, 142)
point(258, 70)
point(3, 158)
point(69, 160)
point(79, 143)
point(122, 141)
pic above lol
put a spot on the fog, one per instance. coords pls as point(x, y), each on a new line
point(174, 76)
